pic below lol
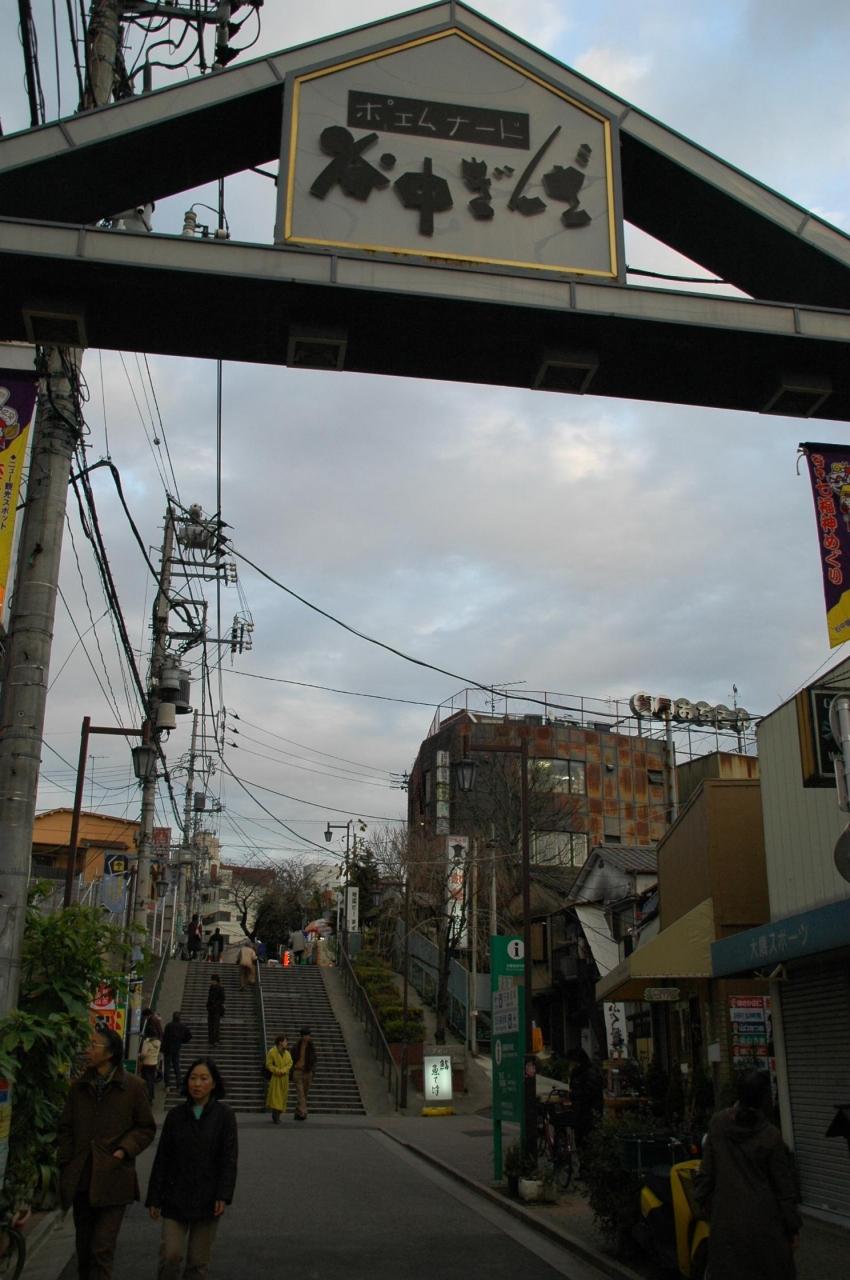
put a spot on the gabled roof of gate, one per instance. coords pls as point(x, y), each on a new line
point(101, 162)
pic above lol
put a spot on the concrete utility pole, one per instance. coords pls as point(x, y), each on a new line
point(56, 430)
point(28, 645)
point(188, 850)
point(161, 611)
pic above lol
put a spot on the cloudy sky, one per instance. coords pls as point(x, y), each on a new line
point(460, 524)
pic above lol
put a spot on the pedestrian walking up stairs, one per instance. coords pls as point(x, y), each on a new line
point(295, 996)
point(238, 1054)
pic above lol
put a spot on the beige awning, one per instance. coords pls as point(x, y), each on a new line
point(682, 950)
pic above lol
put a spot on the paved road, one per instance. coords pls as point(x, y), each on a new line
point(330, 1200)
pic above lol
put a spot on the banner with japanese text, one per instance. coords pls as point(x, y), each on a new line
point(17, 403)
point(829, 466)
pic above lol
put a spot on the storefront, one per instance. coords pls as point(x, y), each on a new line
point(807, 958)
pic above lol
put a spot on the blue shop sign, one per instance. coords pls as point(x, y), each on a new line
point(809, 933)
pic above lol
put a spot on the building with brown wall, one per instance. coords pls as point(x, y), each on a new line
point(712, 883)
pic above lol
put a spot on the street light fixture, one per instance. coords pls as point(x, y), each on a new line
point(464, 770)
point(144, 761)
point(329, 830)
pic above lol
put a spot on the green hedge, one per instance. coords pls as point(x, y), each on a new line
point(380, 984)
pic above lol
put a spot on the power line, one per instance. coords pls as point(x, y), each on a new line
point(304, 747)
point(325, 688)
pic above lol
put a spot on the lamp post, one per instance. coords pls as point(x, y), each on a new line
point(74, 836)
point(329, 830)
point(465, 771)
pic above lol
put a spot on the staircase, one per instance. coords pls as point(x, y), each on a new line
point(238, 1054)
point(295, 996)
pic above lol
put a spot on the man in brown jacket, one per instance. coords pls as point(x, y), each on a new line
point(106, 1123)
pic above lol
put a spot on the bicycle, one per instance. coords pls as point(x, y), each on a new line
point(13, 1249)
point(555, 1142)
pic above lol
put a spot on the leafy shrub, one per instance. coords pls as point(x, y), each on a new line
point(613, 1191)
point(395, 1031)
point(65, 958)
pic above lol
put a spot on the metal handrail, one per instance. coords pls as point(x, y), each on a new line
point(160, 974)
point(367, 1015)
point(262, 1007)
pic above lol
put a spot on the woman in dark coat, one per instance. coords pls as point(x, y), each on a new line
point(747, 1188)
point(194, 1173)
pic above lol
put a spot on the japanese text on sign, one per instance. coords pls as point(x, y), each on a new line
point(391, 114)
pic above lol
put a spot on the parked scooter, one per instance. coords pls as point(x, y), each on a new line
point(671, 1227)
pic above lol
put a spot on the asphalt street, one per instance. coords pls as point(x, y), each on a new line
point(329, 1199)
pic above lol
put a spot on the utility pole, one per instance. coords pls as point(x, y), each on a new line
point(188, 852)
point(56, 431)
point(161, 610)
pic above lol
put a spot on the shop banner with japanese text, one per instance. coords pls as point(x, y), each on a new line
point(829, 466)
point(17, 402)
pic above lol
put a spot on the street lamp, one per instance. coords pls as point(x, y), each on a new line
point(464, 771)
point(144, 761)
point(329, 830)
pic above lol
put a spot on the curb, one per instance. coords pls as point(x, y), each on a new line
point(610, 1266)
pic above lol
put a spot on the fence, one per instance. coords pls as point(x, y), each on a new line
point(423, 976)
point(362, 1007)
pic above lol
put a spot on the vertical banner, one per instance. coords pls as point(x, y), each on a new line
point(17, 402)
point(829, 466)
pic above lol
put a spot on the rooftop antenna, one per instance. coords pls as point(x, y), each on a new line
point(497, 687)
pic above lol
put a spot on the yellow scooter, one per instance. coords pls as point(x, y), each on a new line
point(672, 1227)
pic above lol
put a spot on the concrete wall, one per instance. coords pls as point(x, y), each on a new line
point(801, 824)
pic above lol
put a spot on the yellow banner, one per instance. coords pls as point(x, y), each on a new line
point(17, 402)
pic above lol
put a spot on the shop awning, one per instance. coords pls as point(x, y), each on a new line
point(682, 950)
point(822, 929)
point(604, 949)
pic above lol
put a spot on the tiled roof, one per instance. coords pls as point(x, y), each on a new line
point(627, 857)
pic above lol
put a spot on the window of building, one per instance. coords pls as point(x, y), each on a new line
point(562, 777)
point(656, 777)
point(559, 848)
point(611, 828)
point(426, 785)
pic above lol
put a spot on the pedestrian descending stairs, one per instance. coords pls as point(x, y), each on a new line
point(238, 1054)
point(295, 996)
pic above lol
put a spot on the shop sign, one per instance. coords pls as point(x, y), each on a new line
point(683, 711)
point(661, 995)
point(438, 1078)
point(443, 149)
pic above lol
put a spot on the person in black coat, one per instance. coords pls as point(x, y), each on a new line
point(215, 1009)
point(193, 1174)
point(175, 1035)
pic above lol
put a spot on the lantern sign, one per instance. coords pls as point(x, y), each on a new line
point(437, 1075)
point(442, 148)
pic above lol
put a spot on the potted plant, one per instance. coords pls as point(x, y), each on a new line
point(530, 1180)
point(512, 1165)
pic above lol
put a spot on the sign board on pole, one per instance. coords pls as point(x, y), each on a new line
point(352, 917)
point(507, 971)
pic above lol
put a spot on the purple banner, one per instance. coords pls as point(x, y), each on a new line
point(829, 466)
